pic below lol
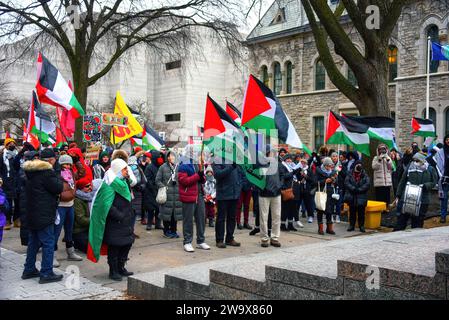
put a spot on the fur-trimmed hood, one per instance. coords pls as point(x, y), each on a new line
point(37, 165)
point(120, 154)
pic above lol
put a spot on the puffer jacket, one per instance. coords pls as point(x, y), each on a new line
point(167, 177)
point(356, 193)
point(229, 181)
point(427, 178)
point(383, 169)
point(190, 183)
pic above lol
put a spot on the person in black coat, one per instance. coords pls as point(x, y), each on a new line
point(9, 174)
point(119, 227)
point(43, 188)
point(357, 184)
point(304, 189)
point(289, 210)
point(327, 178)
point(150, 192)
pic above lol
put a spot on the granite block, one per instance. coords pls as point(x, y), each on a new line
point(221, 292)
point(442, 261)
point(282, 291)
point(186, 285)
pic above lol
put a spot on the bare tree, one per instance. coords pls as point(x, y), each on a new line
point(14, 110)
point(165, 26)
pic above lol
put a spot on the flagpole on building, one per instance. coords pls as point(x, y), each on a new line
point(429, 45)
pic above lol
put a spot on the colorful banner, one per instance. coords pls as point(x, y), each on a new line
point(111, 119)
point(92, 128)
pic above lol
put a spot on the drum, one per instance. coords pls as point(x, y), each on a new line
point(412, 199)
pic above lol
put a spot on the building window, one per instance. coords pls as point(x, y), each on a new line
point(351, 77)
point(277, 87)
point(173, 117)
point(433, 33)
point(279, 17)
point(392, 63)
point(432, 116)
point(264, 73)
point(320, 76)
point(318, 132)
point(289, 69)
point(173, 65)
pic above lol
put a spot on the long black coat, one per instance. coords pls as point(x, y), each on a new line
point(308, 188)
point(119, 228)
point(356, 193)
point(43, 188)
point(10, 183)
point(229, 181)
point(150, 191)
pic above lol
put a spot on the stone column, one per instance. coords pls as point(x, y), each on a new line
point(284, 81)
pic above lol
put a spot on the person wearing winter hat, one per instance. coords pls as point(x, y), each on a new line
point(327, 178)
point(119, 227)
point(104, 164)
point(442, 165)
point(9, 174)
point(419, 172)
point(382, 177)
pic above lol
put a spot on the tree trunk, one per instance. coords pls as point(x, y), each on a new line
point(81, 84)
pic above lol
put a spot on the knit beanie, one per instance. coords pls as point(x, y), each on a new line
point(65, 159)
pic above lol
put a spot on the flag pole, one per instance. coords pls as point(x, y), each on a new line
point(429, 45)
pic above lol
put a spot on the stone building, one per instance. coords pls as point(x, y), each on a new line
point(283, 54)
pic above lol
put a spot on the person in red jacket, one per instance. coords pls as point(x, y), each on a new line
point(81, 171)
point(191, 180)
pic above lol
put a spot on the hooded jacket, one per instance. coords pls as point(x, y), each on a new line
point(356, 193)
point(87, 176)
point(43, 188)
point(229, 181)
point(383, 169)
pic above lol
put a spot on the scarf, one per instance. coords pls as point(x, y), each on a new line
point(357, 176)
point(67, 175)
point(328, 172)
point(8, 155)
point(414, 167)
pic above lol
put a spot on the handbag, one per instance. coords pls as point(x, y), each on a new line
point(287, 194)
point(321, 199)
point(161, 197)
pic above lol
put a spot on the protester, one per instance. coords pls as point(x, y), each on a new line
point(270, 199)
point(289, 209)
point(119, 227)
point(396, 162)
point(102, 166)
point(171, 210)
point(342, 172)
point(357, 184)
point(43, 188)
point(210, 190)
point(138, 189)
point(304, 189)
point(229, 188)
point(419, 173)
point(383, 168)
point(4, 206)
point(143, 161)
point(150, 193)
point(81, 171)
point(9, 174)
point(442, 160)
point(327, 178)
point(353, 156)
point(244, 201)
point(191, 180)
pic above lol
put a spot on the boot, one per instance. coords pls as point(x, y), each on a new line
point(143, 222)
point(284, 227)
point(8, 226)
point(320, 229)
point(122, 270)
point(255, 231)
point(114, 270)
point(330, 229)
point(211, 223)
point(17, 223)
point(72, 256)
point(291, 227)
point(351, 228)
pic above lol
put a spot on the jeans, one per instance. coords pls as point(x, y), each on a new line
point(245, 199)
point(189, 212)
point(444, 200)
point(171, 226)
point(67, 219)
point(265, 205)
point(305, 201)
point(330, 207)
point(37, 238)
point(225, 215)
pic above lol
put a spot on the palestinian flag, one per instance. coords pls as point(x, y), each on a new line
point(342, 130)
point(148, 140)
point(423, 127)
point(60, 140)
point(234, 113)
point(263, 111)
point(378, 128)
point(39, 122)
point(7, 135)
point(29, 137)
point(52, 89)
point(101, 204)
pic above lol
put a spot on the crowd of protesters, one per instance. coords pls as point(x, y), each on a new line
point(44, 192)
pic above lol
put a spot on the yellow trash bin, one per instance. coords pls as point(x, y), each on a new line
point(373, 214)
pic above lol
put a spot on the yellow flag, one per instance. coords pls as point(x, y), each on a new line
point(119, 134)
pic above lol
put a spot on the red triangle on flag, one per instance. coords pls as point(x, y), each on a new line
point(213, 124)
point(415, 125)
point(255, 102)
point(332, 125)
point(231, 112)
point(8, 135)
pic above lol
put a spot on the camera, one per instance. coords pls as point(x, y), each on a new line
point(336, 196)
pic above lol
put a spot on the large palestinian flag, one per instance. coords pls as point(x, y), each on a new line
point(378, 128)
point(234, 113)
point(263, 111)
point(423, 127)
point(101, 204)
point(39, 122)
point(149, 140)
point(52, 89)
point(342, 130)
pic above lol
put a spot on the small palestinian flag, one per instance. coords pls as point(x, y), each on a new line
point(39, 122)
point(342, 130)
point(52, 89)
point(263, 111)
point(234, 113)
point(60, 139)
point(378, 128)
point(423, 127)
point(101, 204)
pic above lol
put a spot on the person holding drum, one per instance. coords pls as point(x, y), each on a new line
point(414, 192)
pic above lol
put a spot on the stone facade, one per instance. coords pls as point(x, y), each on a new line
point(269, 44)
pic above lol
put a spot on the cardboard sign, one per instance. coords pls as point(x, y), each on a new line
point(111, 119)
point(92, 128)
point(93, 153)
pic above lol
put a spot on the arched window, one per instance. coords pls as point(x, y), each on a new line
point(446, 115)
point(351, 77)
point(432, 116)
point(392, 63)
point(320, 76)
point(289, 70)
point(277, 85)
point(433, 33)
point(264, 72)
